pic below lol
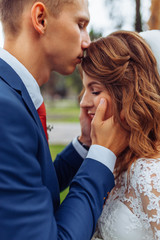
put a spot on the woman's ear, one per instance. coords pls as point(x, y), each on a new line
point(38, 15)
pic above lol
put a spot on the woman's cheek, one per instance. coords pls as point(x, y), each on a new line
point(97, 101)
point(109, 111)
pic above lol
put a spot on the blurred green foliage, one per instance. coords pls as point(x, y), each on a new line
point(65, 110)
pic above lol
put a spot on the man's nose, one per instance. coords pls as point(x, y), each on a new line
point(86, 40)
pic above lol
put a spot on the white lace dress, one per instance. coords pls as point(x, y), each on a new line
point(132, 210)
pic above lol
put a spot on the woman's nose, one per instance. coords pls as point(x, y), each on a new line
point(85, 101)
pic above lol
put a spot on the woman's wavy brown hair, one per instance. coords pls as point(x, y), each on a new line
point(124, 63)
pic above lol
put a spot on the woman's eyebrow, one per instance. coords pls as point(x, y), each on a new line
point(93, 83)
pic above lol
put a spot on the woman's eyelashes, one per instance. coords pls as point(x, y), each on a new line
point(96, 92)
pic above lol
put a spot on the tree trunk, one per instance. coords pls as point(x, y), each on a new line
point(138, 23)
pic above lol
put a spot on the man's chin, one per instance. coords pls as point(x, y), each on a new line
point(68, 70)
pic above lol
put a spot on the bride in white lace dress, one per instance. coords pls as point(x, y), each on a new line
point(123, 69)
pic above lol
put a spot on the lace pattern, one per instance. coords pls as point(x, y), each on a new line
point(132, 210)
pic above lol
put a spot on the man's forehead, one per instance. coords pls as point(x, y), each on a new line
point(83, 9)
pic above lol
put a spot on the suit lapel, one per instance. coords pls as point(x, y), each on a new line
point(14, 81)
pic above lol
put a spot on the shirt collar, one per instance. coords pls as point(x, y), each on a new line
point(26, 77)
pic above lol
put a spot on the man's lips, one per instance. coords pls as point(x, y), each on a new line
point(80, 56)
point(79, 59)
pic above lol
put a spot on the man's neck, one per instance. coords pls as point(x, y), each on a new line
point(30, 55)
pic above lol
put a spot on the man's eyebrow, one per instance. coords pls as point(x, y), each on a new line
point(84, 18)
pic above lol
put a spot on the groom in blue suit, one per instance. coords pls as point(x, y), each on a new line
point(40, 37)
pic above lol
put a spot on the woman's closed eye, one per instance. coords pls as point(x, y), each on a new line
point(96, 92)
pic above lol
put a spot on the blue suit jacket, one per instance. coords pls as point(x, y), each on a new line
point(29, 181)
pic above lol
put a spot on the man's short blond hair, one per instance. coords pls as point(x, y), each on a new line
point(11, 11)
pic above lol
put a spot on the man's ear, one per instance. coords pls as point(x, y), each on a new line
point(38, 15)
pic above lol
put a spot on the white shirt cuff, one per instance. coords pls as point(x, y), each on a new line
point(79, 148)
point(102, 155)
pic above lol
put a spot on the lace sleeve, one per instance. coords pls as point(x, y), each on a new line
point(147, 187)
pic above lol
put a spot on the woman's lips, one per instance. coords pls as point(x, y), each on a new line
point(91, 115)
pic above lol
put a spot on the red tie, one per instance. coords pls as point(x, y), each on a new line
point(42, 115)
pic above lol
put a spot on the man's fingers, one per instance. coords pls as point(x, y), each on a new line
point(100, 111)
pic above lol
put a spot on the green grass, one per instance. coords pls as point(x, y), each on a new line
point(55, 149)
point(62, 111)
